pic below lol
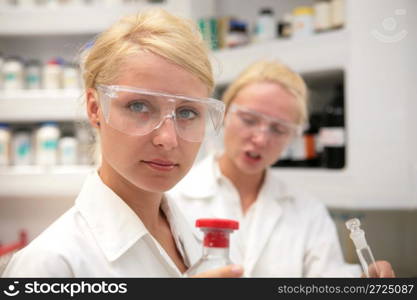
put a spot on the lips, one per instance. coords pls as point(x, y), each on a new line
point(160, 164)
point(252, 156)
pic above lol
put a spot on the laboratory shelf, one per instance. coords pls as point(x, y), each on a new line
point(41, 105)
point(35, 181)
point(320, 52)
point(341, 188)
point(26, 21)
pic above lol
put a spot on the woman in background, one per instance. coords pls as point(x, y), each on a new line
point(147, 80)
point(284, 231)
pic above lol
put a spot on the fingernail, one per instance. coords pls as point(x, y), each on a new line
point(237, 269)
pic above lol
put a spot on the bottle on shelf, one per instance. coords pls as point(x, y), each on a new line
point(33, 74)
point(303, 25)
point(22, 150)
point(68, 150)
point(238, 35)
point(285, 26)
point(265, 28)
point(332, 132)
point(52, 74)
point(46, 149)
point(5, 136)
point(13, 74)
point(322, 15)
point(70, 76)
point(215, 245)
point(337, 13)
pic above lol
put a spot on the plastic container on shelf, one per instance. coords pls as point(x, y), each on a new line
point(33, 74)
point(322, 16)
point(303, 22)
point(22, 149)
point(237, 35)
point(68, 150)
point(52, 74)
point(215, 245)
point(46, 141)
point(266, 25)
point(13, 73)
point(70, 76)
point(285, 26)
point(5, 137)
point(337, 13)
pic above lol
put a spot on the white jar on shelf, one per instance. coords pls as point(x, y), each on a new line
point(5, 136)
point(52, 75)
point(322, 16)
point(22, 148)
point(266, 26)
point(33, 74)
point(68, 150)
point(70, 77)
point(13, 74)
point(303, 23)
point(46, 141)
point(337, 13)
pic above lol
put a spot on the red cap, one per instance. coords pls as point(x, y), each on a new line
point(217, 223)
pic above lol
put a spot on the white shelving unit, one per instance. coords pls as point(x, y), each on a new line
point(32, 181)
point(62, 20)
point(325, 51)
point(41, 105)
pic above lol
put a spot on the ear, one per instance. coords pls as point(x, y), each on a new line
point(93, 107)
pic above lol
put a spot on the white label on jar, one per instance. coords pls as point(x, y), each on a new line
point(332, 137)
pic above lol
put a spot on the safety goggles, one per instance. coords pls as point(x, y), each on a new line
point(256, 122)
point(136, 111)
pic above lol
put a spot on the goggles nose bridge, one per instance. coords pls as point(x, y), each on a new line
point(170, 115)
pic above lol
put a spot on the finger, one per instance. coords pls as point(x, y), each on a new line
point(385, 269)
point(230, 271)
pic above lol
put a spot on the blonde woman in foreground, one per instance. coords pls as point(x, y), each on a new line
point(147, 82)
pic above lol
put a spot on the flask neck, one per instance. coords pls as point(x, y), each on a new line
point(216, 253)
point(216, 243)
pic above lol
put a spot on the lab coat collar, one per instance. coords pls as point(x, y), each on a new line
point(113, 223)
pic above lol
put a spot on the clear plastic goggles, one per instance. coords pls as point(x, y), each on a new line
point(256, 122)
point(135, 111)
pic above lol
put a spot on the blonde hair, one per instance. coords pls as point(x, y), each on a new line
point(271, 71)
point(176, 39)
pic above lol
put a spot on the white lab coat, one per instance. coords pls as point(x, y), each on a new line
point(286, 233)
point(100, 236)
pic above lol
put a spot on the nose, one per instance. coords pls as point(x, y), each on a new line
point(260, 136)
point(165, 134)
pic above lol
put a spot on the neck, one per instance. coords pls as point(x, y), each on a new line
point(248, 185)
point(145, 204)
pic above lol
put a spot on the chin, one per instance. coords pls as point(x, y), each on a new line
point(157, 186)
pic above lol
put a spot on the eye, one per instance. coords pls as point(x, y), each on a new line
point(138, 107)
point(279, 129)
point(187, 114)
point(248, 119)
